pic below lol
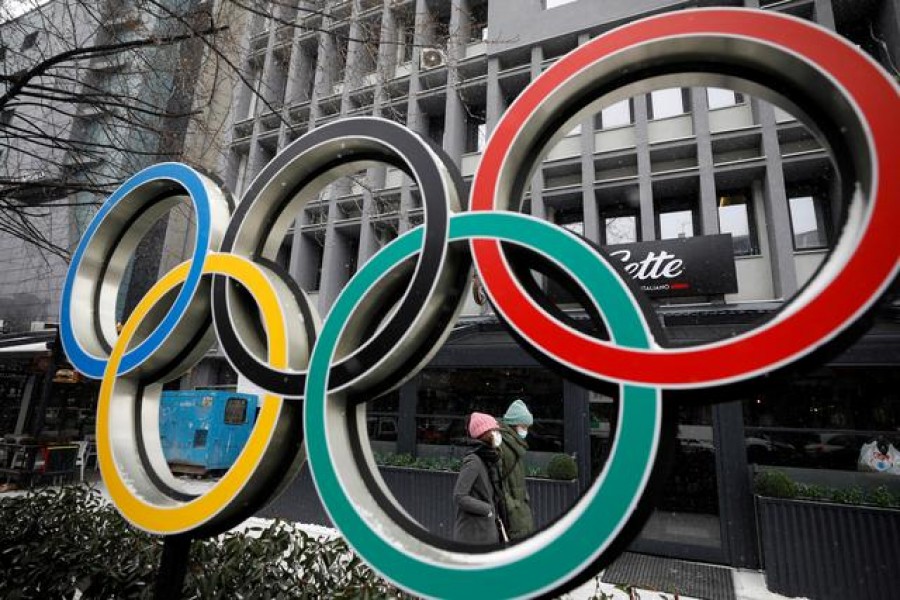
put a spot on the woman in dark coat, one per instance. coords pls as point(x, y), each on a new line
point(477, 492)
point(516, 503)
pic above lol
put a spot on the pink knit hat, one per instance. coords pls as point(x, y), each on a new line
point(480, 423)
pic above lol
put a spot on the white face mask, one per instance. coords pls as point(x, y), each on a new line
point(496, 439)
point(522, 432)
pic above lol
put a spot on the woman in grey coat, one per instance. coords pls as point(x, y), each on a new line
point(477, 490)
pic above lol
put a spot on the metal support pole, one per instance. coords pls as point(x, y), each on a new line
point(172, 567)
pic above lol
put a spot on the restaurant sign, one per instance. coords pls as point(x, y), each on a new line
point(691, 266)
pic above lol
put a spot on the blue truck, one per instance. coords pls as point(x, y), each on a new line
point(203, 431)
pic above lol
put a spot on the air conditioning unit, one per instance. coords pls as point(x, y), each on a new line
point(432, 58)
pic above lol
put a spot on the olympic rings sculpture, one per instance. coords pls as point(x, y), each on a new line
point(395, 312)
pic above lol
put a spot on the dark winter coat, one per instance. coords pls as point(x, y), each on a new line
point(517, 504)
point(475, 500)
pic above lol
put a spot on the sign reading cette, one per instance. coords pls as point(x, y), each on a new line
point(694, 266)
point(402, 303)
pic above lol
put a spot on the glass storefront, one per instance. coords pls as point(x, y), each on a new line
point(823, 420)
point(446, 397)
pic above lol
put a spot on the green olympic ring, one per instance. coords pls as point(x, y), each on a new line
point(545, 561)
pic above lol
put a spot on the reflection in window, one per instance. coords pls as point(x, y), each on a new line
point(616, 115)
point(822, 420)
point(667, 103)
point(735, 218)
point(382, 417)
point(620, 230)
point(808, 222)
point(722, 98)
point(676, 224)
point(448, 396)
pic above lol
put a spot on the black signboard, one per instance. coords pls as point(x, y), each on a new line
point(692, 266)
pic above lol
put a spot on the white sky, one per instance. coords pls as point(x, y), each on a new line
point(10, 9)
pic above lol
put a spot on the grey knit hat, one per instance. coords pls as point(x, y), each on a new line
point(518, 414)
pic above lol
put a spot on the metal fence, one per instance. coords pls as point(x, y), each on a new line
point(427, 496)
point(829, 552)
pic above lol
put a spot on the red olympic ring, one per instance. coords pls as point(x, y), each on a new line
point(795, 331)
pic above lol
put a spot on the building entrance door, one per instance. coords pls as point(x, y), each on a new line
point(686, 522)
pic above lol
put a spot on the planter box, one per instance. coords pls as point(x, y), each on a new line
point(427, 496)
point(827, 551)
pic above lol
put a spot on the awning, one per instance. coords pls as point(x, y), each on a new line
point(26, 345)
point(25, 349)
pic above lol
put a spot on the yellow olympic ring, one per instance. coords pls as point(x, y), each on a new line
point(178, 517)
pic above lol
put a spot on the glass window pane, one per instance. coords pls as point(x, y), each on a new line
point(616, 115)
point(236, 411)
point(720, 98)
point(621, 230)
point(808, 222)
point(823, 420)
point(667, 103)
point(576, 227)
point(734, 218)
point(677, 224)
point(448, 396)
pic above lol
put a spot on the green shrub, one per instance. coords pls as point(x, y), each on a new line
point(775, 484)
point(883, 497)
point(562, 467)
point(60, 540)
point(435, 463)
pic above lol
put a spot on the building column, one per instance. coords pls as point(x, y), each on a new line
point(537, 180)
point(577, 429)
point(645, 186)
point(590, 211)
point(736, 510)
point(709, 214)
point(778, 218)
point(825, 14)
point(406, 417)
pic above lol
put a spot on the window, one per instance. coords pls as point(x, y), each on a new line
point(616, 115)
point(478, 22)
point(382, 418)
point(808, 222)
point(622, 229)
point(236, 411)
point(200, 436)
point(254, 93)
point(676, 224)
point(736, 218)
point(667, 103)
point(435, 128)
point(476, 131)
point(548, 4)
point(821, 420)
point(30, 40)
point(721, 98)
point(447, 396)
